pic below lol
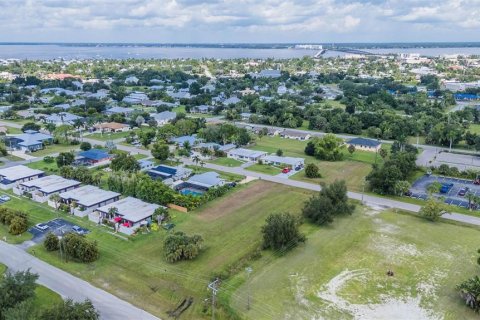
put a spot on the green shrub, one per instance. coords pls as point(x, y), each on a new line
point(51, 242)
point(18, 225)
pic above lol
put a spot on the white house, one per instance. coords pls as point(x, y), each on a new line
point(296, 135)
point(87, 199)
point(365, 144)
point(42, 188)
point(164, 117)
point(245, 154)
point(12, 176)
point(279, 161)
point(130, 214)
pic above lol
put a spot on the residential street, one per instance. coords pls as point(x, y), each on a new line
point(69, 286)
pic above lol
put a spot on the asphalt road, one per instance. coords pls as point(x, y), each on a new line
point(367, 199)
point(69, 286)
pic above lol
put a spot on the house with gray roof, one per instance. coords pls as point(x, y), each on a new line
point(12, 176)
point(246, 154)
point(130, 213)
point(30, 141)
point(205, 181)
point(365, 144)
point(119, 110)
point(164, 117)
point(62, 118)
point(87, 198)
point(41, 189)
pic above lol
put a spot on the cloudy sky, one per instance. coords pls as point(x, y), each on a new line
point(270, 21)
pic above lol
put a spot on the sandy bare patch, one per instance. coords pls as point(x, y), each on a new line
point(390, 307)
point(248, 179)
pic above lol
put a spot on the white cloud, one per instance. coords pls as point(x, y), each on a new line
point(254, 20)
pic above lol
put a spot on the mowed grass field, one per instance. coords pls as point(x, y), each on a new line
point(340, 272)
point(137, 272)
point(353, 169)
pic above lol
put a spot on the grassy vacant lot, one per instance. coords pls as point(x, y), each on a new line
point(55, 148)
point(340, 272)
point(224, 175)
point(136, 270)
point(353, 169)
point(12, 130)
point(264, 168)
point(42, 165)
point(108, 136)
point(227, 162)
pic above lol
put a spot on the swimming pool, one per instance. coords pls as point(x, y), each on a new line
point(191, 192)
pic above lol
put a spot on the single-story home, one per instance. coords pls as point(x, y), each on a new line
point(42, 188)
point(167, 172)
point(289, 161)
point(12, 176)
point(270, 131)
point(119, 110)
point(192, 140)
point(246, 154)
point(62, 118)
point(92, 157)
point(112, 127)
point(87, 199)
point(365, 144)
point(30, 140)
point(296, 135)
point(130, 214)
point(204, 181)
point(201, 109)
point(164, 117)
point(146, 164)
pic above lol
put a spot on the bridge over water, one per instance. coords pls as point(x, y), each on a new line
point(345, 50)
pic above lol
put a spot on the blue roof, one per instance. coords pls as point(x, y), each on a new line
point(181, 140)
point(365, 142)
point(94, 154)
point(466, 96)
point(165, 169)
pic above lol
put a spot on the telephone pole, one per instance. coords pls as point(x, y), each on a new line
point(213, 286)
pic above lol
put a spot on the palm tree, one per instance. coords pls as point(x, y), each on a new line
point(470, 197)
point(196, 159)
point(112, 211)
point(56, 199)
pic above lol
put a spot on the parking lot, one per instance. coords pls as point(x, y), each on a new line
point(58, 227)
point(419, 189)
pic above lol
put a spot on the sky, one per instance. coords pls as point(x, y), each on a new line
point(239, 21)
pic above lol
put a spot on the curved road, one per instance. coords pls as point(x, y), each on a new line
point(69, 286)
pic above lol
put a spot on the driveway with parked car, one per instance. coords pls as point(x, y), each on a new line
point(58, 227)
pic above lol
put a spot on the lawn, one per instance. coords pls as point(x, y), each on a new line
point(11, 157)
point(353, 169)
point(224, 175)
point(264, 168)
point(12, 130)
point(108, 136)
point(42, 165)
point(227, 162)
point(230, 226)
point(55, 148)
point(340, 272)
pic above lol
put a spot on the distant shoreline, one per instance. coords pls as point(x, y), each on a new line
point(379, 45)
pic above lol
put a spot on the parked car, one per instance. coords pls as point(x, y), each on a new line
point(463, 191)
point(408, 193)
point(42, 226)
point(286, 170)
point(77, 230)
point(4, 198)
point(446, 187)
point(298, 168)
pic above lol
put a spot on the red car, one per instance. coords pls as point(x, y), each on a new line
point(286, 170)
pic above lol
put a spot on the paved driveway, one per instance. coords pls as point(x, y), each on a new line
point(57, 226)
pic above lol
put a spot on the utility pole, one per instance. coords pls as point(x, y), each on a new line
point(213, 286)
point(248, 270)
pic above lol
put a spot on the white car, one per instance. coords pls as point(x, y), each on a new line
point(4, 198)
point(42, 226)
